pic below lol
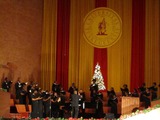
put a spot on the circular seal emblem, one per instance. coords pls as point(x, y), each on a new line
point(102, 27)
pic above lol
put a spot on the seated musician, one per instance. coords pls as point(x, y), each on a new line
point(112, 102)
point(145, 97)
point(153, 90)
point(125, 90)
point(111, 92)
point(142, 88)
point(135, 93)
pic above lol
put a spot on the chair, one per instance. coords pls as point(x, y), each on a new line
point(21, 109)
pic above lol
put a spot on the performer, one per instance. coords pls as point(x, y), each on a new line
point(40, 103)
point(72, 88)
point(55, 105)
point(18, 87)
point(93, 87)
point(111, 92)
point(35, 104)
point(22, 94)
point(30, 92)
point(99, 105)
point(112, 102)
point(6, 84)
point(94, 97)
point(75, 104)
point(142, 88)
point(153, 90)
point(82, 101)
point(56, 87)
point(135, 93)
point(145, 97)
point(47, 103)
point(125, 90)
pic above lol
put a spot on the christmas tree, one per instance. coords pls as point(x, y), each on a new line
point(99, 78)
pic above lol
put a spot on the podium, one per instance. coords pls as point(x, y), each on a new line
point(4, 103)
point(128, 104)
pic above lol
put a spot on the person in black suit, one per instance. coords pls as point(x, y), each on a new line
point(93, 87)
point(6, 84)
point(112, 102)
point(22, 94)
point(56, 87)
point(145, 97)
point(142, 88)
point(72, 88)
point(153, 90)
point(125, 90)
point(82, 101)
point(75, 97)
point(111, 92)
point(18, 87)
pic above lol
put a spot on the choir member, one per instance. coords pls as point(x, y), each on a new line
point(6, 84)
point(99, 105)
point(111, 92)
point(56, 87)
point(72, 88)
point(22, 94)
point(18, 87)
point(82, 100)
point(36, 111)
point(47, 103)
point(55, 105)
point(93, 87)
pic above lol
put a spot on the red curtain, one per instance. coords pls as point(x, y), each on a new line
point(100, 55)
point(62, 55)
point(138, 43)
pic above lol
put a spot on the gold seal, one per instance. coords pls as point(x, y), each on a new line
point(102, 27)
